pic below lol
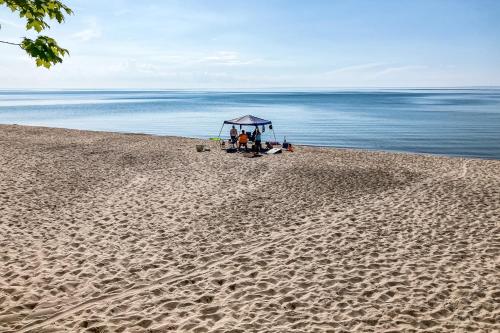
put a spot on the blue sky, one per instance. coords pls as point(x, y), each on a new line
point(235, 44)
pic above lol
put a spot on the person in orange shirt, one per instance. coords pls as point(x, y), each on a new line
point(243, 140)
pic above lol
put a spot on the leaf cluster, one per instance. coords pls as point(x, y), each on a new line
point(45, 50)
point(36, 12)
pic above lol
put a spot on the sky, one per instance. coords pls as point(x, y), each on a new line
point(261, 44)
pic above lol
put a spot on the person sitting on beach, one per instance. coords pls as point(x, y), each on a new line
point(234, 135)
point(243, 140)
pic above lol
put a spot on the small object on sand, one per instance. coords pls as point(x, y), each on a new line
point(274, 151)
point(200, 148)
point(285, 144)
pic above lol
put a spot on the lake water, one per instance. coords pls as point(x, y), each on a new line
point(457, 122)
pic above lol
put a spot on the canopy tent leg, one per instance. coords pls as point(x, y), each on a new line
point(220, 132)
point(274, 134)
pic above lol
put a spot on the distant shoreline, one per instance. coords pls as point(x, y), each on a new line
point(270, 89)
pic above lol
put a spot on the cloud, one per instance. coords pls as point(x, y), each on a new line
point(10, 24)
point(93, 31)
point(133, 66)
point(370, 71)
point(355, 68)
point(230, 58)
point(398, 69)
point(122, 12)
point(197, 59)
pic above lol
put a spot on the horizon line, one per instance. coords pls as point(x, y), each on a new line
point(262, 88)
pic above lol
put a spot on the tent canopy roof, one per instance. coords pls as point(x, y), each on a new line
point(248, 120)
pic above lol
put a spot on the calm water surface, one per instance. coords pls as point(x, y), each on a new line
point(458, 122)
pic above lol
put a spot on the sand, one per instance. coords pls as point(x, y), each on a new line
point(106, 232)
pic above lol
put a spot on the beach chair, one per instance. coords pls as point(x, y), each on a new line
point(221, 142)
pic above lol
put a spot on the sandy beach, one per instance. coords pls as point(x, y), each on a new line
point(107, 232)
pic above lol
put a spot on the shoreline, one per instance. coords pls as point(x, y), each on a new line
point(114, 232)
point(443, 122)
point(299, 145)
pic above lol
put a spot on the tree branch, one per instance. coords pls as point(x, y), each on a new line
point(17, 44)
